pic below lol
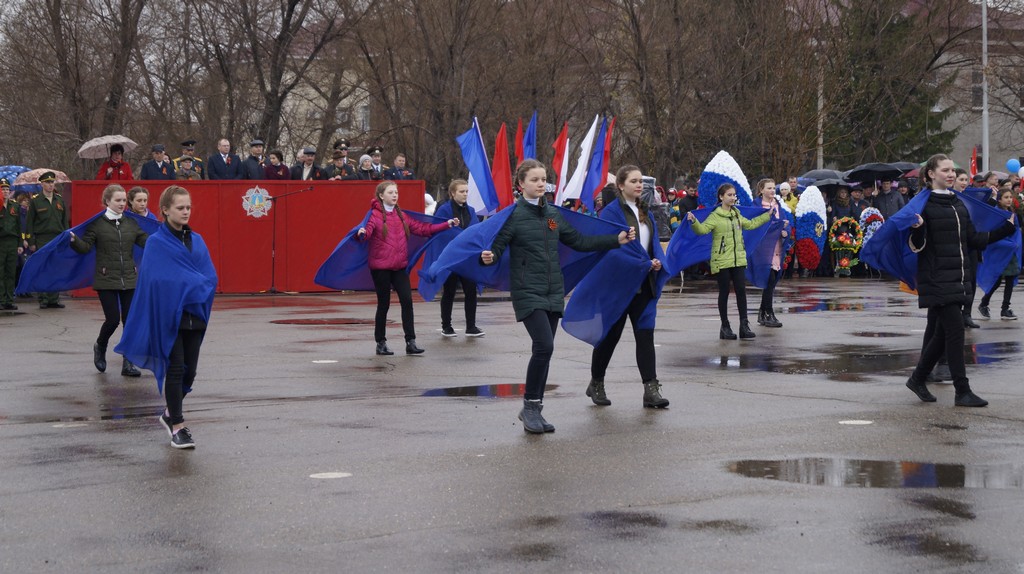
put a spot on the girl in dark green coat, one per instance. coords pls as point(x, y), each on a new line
point(533, 232)
point(113, 235)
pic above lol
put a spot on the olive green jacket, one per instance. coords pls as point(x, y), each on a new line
point(45, 219)
point(10, 221)
point(113, 240)
point(726, 227)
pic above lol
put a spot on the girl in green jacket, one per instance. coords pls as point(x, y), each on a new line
point(728, 257)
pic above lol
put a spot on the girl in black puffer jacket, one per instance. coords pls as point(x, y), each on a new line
point(942, 238)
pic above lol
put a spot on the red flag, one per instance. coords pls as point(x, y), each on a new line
point(501, 171)
point(560, 146)
point(520, 155)
point(606, 159)
point(974, 161)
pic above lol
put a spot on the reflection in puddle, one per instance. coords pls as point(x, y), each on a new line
point(878, 334)
point(493, 391)
point(324, 321)
point(883, 473)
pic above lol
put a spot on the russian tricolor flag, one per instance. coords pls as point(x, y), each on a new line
point(482, 194)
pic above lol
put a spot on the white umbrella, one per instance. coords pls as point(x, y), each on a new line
point(99, 148)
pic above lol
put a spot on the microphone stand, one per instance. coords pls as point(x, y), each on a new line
point(273, 237)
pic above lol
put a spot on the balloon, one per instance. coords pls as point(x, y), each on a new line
point(1020, 173)
point(1013, 165)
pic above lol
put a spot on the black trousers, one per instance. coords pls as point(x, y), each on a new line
point(944, 334)
point(1007, 293)
point(181, 371)
point(541, 325)
point(645, 358)
point(768, 294)
point(448, 300)
point(736, 276)
point(383, 281)
point(115, 304)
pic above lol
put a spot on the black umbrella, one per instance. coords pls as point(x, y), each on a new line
point(905, 166)
point(817, 174)
point(872, 172)
point(830, 185)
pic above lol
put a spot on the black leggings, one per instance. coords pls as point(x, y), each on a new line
point(1007, 293)
point(383, 281)
point(768, 294)
point(181, 371)
point(448, 300)
point(944, 334)
point(115, 304)
point(736, 276)
point(645, 359)
point(541, 325)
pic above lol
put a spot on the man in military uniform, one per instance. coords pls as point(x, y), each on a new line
point(341, 166)
point(375, 153)
point(158, 167)
point(188, 148)
point(186, 171)
point(47, 218)
point(10, 246)
point(252, 167)
point(400, 171)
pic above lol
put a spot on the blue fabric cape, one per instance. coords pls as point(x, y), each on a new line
point(347, 267)
point(889, 250)
point(430, 285)
point(686, 248)
point(171, 280)
point(997, 256)
point(58, 267)
point(462, 255)
point(604, 294)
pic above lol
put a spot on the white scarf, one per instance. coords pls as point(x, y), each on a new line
point(112, 215)
point(388, 208)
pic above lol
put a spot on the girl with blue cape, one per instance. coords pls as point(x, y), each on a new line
point(1001, 265)
point(532, 233)
point(171, 309)
point(941, 234)
point(627, 210)
point(457, 207)
point(138, 201)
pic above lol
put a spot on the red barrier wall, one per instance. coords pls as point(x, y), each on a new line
point(309, 225)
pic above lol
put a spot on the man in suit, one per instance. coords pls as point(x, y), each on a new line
point(224, 164)
point(308, 169)
point(375, 153)
point(400, 171)
point(158, 167)
point(188, 148)
point(252, 167)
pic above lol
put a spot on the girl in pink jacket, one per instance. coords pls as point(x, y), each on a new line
point(388, 231)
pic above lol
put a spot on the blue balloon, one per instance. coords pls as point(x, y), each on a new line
point(1013, 165)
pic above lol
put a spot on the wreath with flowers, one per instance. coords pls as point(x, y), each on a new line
point(845, 238)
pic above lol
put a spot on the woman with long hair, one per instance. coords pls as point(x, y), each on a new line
point(457, 207)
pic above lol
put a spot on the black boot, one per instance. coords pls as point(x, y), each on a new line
point(595, 390)
point(411, 348)
point(533, 422)
point(99, 357)
point(774, 320)
point(969, 322)
point(920, 390)
point(762, 317)
point(745, 332)
point(726, 332)
point(129, 370)
point(969, 399)
point(652, 395)
point(382, 348)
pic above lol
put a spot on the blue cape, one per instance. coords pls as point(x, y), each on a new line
point(889, 249)
point(686, 248)
point(430, 285)
point(604, 294)
point(171, 280)
point(997, 256)
point(347, 267)
point(58, 267)
point(462, 255)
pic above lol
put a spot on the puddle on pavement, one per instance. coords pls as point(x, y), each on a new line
point(883, 473)
point(625, 525)
point(879, 334)
point(324, 321)
point(814, 305)
point(504, 390)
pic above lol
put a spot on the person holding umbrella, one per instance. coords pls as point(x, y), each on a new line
point(47, 218)
point(115, 168)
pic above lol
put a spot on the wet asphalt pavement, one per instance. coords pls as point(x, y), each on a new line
point(799, 451)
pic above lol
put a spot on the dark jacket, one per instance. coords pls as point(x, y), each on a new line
point(150, 170)
point(943, 243)
point(46, 219)
point(533, 233)
point(398, 174)
point(113, 240)
point(280, 171)
point(315, 172)
point(366, 174)
point(252, 168)
point(217, 168)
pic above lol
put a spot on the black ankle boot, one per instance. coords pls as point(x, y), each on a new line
point(762, 317)
point(726, 332)
point(129, 370)
point(533, 422)
point(411, 348)
point(773, 320)
point(920, 390)
point(382, 348)
point(652, 395)
point(99, 357)
point(595, 390)
point(745, 332)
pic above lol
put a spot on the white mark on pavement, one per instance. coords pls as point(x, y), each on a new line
point(324, 361)
point(69, 425)
point(331, 475)
point(856, 422)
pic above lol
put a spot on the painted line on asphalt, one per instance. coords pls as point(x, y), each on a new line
point(321, 475)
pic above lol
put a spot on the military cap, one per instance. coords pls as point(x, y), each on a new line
point(185, 158)
point(375, 150)
point(4, 182)
point(337, 154)
point(47, 177)
point(188, 144)
point(158, 148)
point(256, 142)
point(341, 143)
point(309, 150)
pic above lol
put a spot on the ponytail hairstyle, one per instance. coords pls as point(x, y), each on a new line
point(931, 165)
point(381, 188)
point(620, 180)
point(522, 170)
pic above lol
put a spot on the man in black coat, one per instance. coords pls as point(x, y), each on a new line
point(224, 164)
point(308, 169)
point(252, 167)
point(400, 171)
point(158, 167)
